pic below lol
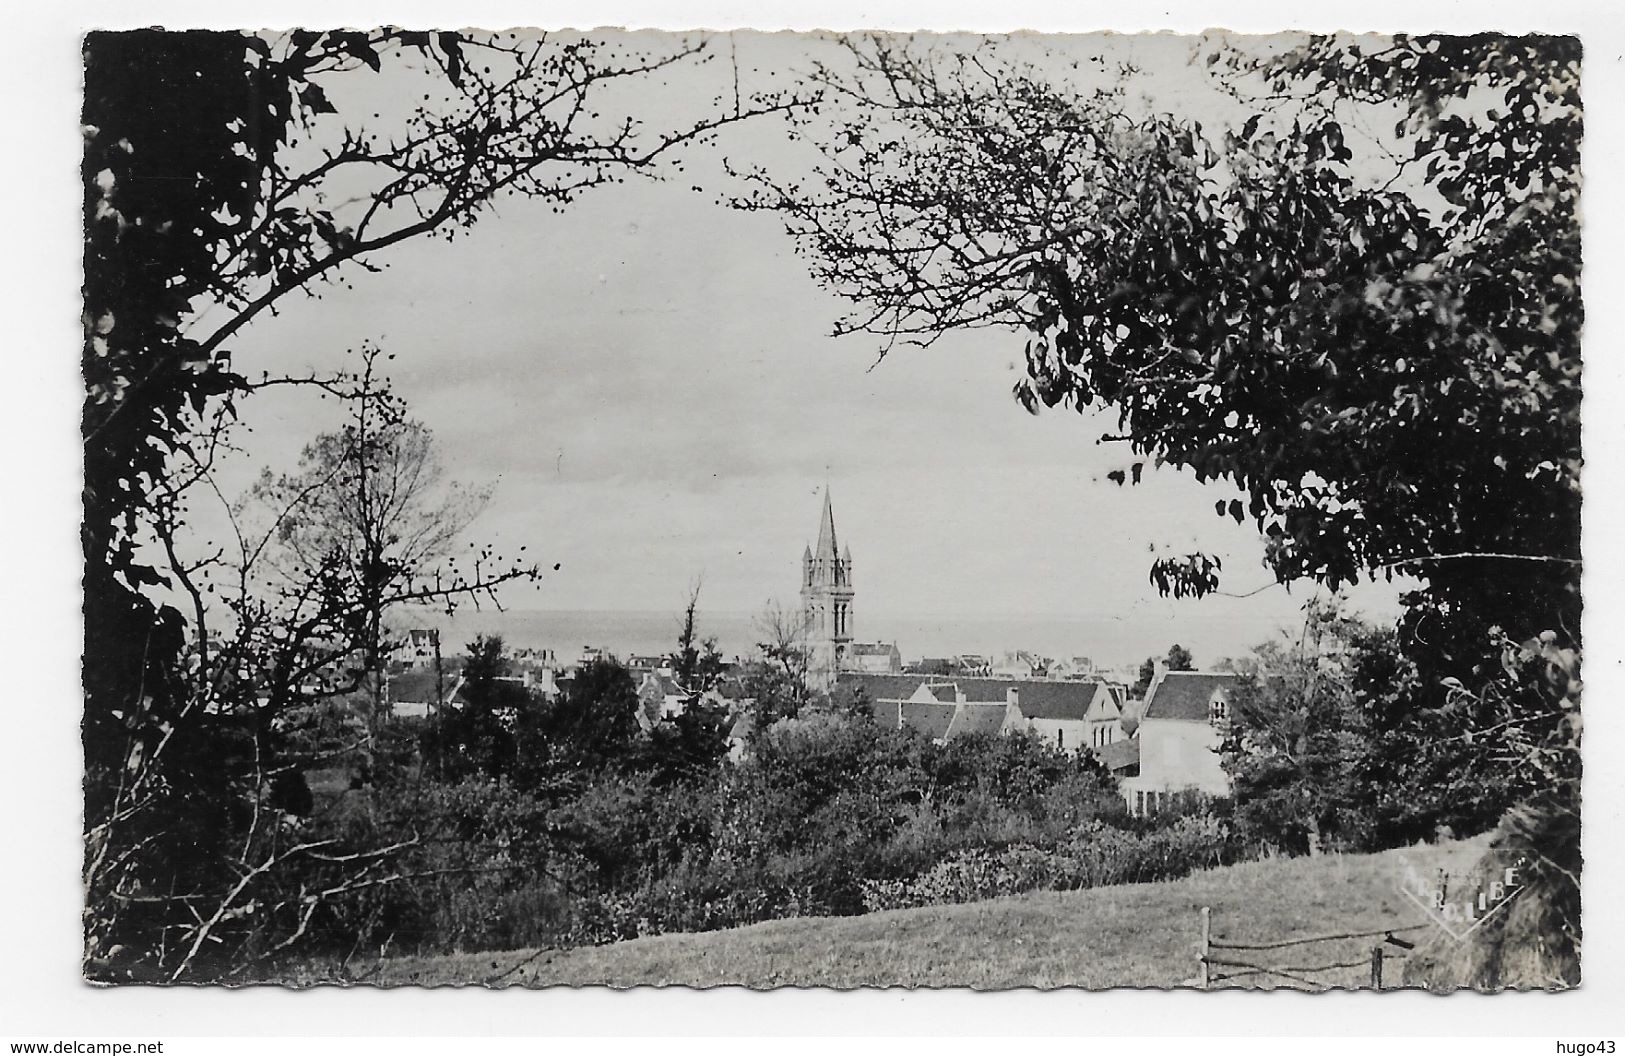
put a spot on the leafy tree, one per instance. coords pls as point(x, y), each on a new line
point(591, 726)
point(367, 522)
point(689, 745)
point(778, 681)
point(813, 805)
point(477, 734)
point(1292, 741)
point(1178, 659)
point(698, 662)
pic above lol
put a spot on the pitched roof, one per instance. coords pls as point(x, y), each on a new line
point(931, 666)
point(1184, 694)
point(887, 713)
point(664, 684)
point(418, 687)
point(976, 718)
point(872, 648)
point(928, 692)
point(1119, 755)
point(881, 687)
point(930, 719)
point(1040, 698)
point(1037, 698)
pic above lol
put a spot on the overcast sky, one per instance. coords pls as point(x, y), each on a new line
point(649, 381)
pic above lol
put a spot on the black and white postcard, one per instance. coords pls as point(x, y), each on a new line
point(832, 509)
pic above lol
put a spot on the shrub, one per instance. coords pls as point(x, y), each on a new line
point(1094, 855)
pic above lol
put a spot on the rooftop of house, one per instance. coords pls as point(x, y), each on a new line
point(1038, 698)
point(880, 687)
point(930, 719)
point(931, 665)
point(976, 718)
point(887, 713)
point(1119, 755)
point(419, 687)
point(656, 681)
point(1184, 694)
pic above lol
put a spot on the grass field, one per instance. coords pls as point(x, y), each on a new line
point(1137, 935)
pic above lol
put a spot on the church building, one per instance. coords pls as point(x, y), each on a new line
point(826, 601)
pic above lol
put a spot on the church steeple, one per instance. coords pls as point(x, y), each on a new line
point(826, 533)
point(826, 595)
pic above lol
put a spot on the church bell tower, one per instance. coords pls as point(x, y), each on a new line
point(826, 599)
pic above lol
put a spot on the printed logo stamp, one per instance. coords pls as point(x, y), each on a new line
point(1458, 905)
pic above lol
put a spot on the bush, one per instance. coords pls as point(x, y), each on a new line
point(1094, 855)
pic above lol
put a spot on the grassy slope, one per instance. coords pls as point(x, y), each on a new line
point(1135, 935)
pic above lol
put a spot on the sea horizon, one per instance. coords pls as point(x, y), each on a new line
point(1110, 642)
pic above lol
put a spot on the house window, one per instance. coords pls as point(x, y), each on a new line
point(1218, 710)
point(1139, 803)
point(1060, 739)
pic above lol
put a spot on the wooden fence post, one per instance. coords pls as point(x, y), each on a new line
point(1207, 943)
point(1376, 967)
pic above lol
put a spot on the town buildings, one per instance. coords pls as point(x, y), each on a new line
point(1162, 748)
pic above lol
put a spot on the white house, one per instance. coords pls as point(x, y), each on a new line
point(1019, 664)
point(1070, 715)
point(416, 650)
point(1180, 727)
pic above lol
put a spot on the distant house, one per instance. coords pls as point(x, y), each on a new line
point(1069, 715)
point(1179, 728)
point(729, 694)
point(1072, 668)
point(880, 658)
point(739, 732)
point(416, 651)
point(416, 694)
point(973, 665)
point(1065, 714)
point(640, 665)
point(1020, 664)
point(660, 697)
point(940, 665)
point(419, 695)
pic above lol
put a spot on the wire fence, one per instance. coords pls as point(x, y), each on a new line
point(1320, 955)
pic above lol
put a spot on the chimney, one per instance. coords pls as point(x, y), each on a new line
point(1161, 668)
point(1012, 696)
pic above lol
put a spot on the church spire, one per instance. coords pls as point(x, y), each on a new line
point(826, 598)
point(825, 550)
